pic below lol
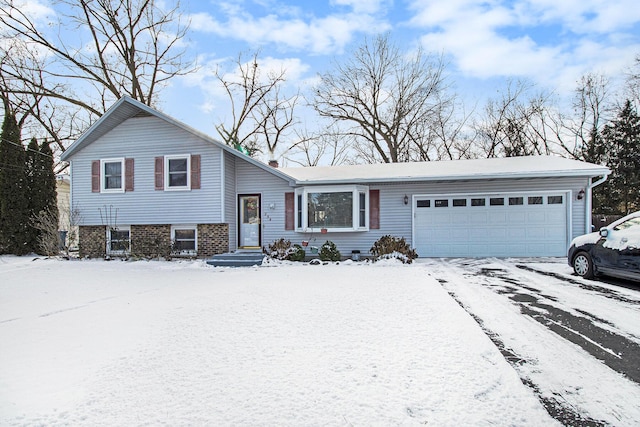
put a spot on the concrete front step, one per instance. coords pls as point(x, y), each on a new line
point(236, 259)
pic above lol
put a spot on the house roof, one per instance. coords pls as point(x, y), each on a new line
point(494, 168)
point(126, 108)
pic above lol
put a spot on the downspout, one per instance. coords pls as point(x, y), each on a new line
point(223, 186)
point(589, 202)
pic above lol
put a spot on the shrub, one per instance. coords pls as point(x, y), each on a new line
point(297, 253)
point(151, 247)
point(393, 247)
point(329, 252)
point(280, 249)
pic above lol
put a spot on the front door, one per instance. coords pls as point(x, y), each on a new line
point(249, 230)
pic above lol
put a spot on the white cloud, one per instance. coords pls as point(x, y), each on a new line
point(551, 42)
point(362, 6)
point(314, 35)
point(216, 99)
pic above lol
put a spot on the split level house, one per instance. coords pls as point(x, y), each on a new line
point(140, 176)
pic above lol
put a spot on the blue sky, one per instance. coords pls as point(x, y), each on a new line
point(549, 42)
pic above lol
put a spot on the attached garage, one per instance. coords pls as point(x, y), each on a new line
point(481, 225)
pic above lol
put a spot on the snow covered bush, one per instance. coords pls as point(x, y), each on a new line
point(329, 252)
point(297, 253)
point(48, 237)
point(388, 247)
point(280, 249)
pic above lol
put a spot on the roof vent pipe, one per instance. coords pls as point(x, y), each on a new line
point(273, 163)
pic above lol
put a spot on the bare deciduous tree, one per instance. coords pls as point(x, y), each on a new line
point(86, 54)
point(514, 123)
point(633, 81)
point(261, 115)
point(326, 148)
point(591, 111)
point(385, 100)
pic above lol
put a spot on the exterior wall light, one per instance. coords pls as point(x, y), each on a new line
point(580, 195)
point(406, 199)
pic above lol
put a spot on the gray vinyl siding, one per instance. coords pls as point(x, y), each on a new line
point(253, 180)
point(144, 138)
point(396, 217)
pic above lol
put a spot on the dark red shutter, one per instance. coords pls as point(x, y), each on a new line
point(195, 172)
point(128, 174)
point(289, 211)
point(159, 173)
point(374, 209)
point(95, 176)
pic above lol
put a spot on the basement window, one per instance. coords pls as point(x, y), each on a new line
point(184, 240)
point(118, 240)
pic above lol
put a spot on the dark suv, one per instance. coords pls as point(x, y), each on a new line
point(613, 251)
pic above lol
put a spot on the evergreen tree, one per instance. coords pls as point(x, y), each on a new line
point(32, 192)
point(40, 191)
point(49, 189)
point(13, 203)
point(620, 194)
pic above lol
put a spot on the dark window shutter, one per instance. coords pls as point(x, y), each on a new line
point(159, 173)
point(128, 174)
point(374, 209)
point(195, 172)
point(95, 176)
point(289, 211)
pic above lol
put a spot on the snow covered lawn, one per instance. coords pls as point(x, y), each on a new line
point(182, 343)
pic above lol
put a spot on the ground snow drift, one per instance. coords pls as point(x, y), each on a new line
point(181, 343)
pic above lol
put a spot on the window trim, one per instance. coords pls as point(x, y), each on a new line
point(167, 182)
point(103, 178)
point(108, 237)
point(173, 239)
point(302, 212)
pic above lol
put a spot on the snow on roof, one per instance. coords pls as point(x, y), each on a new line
point(509, 167)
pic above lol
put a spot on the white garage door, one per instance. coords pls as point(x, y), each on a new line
point(500, 225)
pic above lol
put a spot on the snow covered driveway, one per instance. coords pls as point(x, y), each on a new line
point(575, 342)
point(180, 343)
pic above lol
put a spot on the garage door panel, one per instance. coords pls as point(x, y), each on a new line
point(538, 229)
point(479, 218)
point(517, 233)
point(517, 217)
point(498, 217)
point(539, 217)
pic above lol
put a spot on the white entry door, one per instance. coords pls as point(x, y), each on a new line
point(249, 221)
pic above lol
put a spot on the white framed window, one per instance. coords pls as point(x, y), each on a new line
point(112, 175)
point(339, 208)
point(184, 239)
point(118, 240)
point(177, 172)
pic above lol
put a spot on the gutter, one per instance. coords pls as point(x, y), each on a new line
point(458, 177)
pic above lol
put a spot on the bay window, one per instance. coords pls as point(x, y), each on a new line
point(332, 208)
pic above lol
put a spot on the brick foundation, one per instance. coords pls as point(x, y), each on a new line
point(213, 239)
point(92, 241)
point(153, 241)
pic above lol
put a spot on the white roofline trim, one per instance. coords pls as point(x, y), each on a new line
point(143, 107)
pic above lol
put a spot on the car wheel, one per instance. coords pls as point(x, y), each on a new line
point(583, 265)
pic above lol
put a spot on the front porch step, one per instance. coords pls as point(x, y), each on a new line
point(236, 259)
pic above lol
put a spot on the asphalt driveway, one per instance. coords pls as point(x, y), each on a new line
point(592, 319)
